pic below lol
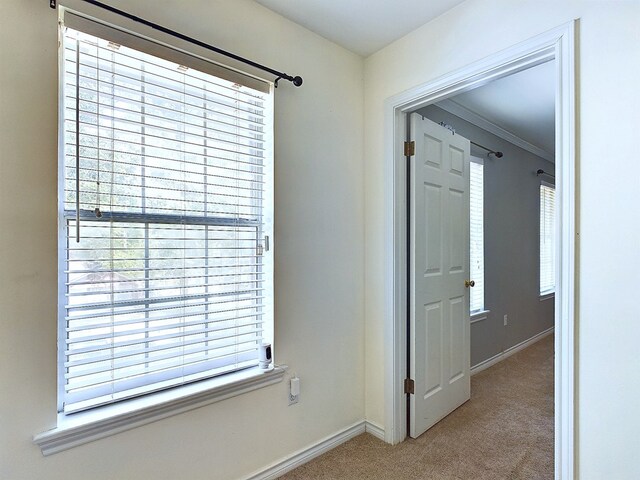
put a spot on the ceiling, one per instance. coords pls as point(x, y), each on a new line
point(523, 104)
point(362, 26)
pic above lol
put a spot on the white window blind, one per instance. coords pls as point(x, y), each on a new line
point(547, 239)
point(476, 237)
point(169, 172)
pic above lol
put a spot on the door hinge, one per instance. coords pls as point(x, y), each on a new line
point(409, 149)
point(409, 386)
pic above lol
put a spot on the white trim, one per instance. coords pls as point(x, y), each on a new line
point(84, 427)
point(479, 315)
point(490, 362)
point(464, 113)
point(558, 44)
point(546, 296)
point(374, 429)
point(309, 453)
point(566, 235)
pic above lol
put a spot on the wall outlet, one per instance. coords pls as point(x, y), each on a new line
point(294, 391)
point(506, 320)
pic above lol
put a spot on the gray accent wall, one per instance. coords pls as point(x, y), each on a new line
point(511, 241)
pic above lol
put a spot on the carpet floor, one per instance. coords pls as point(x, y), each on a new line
point(504, 432)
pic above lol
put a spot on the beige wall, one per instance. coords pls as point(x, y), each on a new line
point(608, 182)
point(319, 257)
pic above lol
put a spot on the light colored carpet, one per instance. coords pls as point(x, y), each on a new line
point(504, 432)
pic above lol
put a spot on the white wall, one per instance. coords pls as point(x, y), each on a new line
point(319, 328)
point(608, 181)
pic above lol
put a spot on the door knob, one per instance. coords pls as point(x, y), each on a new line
point(469, 283)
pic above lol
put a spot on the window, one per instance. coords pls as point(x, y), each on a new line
point(166, 201)
point(547, 239)
point(476, 237)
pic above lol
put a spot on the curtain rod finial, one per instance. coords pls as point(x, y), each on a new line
point(52, 3)
point(297, 81)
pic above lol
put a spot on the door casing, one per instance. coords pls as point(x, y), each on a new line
point(557, 45)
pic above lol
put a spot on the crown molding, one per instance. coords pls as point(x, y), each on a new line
point(464, 113)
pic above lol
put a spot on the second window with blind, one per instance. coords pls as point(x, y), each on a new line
point(476, 236)
point(166, 206)
point(547, 239)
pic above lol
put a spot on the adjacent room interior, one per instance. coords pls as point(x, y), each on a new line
point(511, 215)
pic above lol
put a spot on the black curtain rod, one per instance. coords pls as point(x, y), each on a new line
point(297, 80)
point(542, 172)
point(497, 154)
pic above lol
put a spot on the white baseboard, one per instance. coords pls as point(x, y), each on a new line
point(489, 362)
point(306, 454)
point(375, 430)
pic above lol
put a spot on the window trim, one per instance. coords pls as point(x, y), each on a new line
point(84, 427)
point(479, 315)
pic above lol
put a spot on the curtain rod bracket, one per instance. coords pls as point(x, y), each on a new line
point(491, 152)
point(542, 172)
point(52, 4)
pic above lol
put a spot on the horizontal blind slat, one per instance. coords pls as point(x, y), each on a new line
point(248, 111)
point(222, 350)
point(245, 128)
point(164, 308)
point(81, 325)
point(159, 380)
point(106, 366)
point(115, 331)
point(143, 347)
point(162, 72)
point(170, 299)
point(135, 352)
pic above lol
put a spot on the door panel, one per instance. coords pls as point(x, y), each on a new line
point(433, 241)
point(456, 339)
point(433, 352)
point(439, 266)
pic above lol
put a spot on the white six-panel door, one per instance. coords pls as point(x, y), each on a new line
point(439, 265)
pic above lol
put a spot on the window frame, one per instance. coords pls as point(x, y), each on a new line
point(101, 421)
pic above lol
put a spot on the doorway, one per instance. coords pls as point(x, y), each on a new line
point(557, 45)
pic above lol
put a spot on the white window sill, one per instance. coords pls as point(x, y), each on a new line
point(83, 427)
point(479, 315)
point(547, 296)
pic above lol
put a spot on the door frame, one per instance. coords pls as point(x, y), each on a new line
point(558, 45)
